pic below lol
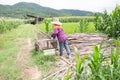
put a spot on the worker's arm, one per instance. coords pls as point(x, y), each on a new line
point(55, 33)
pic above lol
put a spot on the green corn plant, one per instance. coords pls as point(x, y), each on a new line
point(68, 74)
point(79, 68)
point(95, 64)
point(114, 57)
point(97, 21)
point(83, 26)
point(117, 42)
point(113, 69)
point(115, 63)
point(109, 23)
point(6, 25)
point(105, 21)
point(116, 21)
point(3, 26)
point(47, 22)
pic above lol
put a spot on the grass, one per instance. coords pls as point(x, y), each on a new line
point(8, 51)
point(69, 28)
point(45, 63)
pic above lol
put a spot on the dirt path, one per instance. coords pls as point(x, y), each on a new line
point(23, 56)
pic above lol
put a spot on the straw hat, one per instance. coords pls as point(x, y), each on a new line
point(56, 21)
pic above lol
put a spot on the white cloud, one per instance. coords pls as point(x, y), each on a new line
point(89, 5)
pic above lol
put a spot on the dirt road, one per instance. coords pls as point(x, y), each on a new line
point(23, 56)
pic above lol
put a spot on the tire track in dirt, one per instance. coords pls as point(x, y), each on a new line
point(23, 56)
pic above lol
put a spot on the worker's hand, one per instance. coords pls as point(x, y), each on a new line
point(51, 38)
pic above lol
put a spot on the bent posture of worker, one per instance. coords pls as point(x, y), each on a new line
point(61, 36)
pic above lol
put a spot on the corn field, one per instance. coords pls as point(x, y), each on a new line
point(75, 19)
point(7, 25)
point(97, 66)
point(109, 23)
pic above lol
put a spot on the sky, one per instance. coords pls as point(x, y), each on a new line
point(88, 5)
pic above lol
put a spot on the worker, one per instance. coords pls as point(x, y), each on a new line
point(61, 36)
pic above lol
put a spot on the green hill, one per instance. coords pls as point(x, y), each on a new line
point(76, 12)
point(20, 10)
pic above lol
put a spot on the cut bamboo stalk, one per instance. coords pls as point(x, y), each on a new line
point(65, 60)
point(46, 78)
